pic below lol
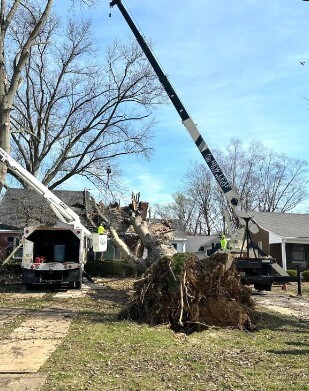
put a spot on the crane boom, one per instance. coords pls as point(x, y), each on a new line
point(62, 211)
point(229, 192)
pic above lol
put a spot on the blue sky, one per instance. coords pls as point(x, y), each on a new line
point(236, 67)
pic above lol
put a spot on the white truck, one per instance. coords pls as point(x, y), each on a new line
point(54, 255)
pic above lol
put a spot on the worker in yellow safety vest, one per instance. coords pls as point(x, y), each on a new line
point(223, 242)
point(101, 229)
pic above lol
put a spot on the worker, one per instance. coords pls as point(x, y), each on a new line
point(223, 242)
point(101, 229)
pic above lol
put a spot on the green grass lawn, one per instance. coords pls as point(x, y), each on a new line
point(103, 353)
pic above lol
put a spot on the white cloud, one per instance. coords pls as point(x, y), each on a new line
point(152, 186)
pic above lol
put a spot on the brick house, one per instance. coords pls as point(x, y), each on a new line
point(9, 239)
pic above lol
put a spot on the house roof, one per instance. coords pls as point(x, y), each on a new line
point(194, 243)
point(22, 207)
point(287, 225)
point(176, 227)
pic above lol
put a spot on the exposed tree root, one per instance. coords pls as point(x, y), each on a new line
point(192, 294)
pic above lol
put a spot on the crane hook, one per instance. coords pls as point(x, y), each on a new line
point(108, 171)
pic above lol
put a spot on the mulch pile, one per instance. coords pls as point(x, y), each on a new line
point(191, 295)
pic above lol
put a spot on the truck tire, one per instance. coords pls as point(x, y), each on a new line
point(78, 284)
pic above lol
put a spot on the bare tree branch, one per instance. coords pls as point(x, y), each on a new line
point(79, 116)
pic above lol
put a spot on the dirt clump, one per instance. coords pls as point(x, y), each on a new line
point(191, 295)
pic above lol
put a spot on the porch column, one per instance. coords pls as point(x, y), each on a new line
point(283, 254)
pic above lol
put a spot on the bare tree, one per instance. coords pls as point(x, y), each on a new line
point(242, 168)
point(30, 16)
point(195, 203)
point(10, 74)
point(73, 116)
point(284, 183)
point(198, 186)
point(202, 189)
point(183, 209)
point(264, 180)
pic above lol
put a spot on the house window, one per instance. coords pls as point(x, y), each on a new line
point(13, 243)
point(201, 249)
point(260, 244)
point(298, 252)
point(174, 245)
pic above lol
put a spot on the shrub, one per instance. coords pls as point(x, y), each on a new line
point(305, 275)
point(109, 268)
point(292, 273)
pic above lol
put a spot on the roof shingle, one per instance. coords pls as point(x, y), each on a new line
point(22, 207)
point(287, 225)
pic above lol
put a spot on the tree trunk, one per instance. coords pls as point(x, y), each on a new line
point(157, 247)
point(119, 243)
point(8, 88)
point(4, 139)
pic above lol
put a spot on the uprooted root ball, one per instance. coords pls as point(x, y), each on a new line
point(192, 294)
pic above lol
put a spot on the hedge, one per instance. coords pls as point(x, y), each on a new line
point(109, 268)
point(305, 275)
point(292, 273)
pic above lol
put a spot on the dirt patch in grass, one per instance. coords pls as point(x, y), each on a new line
point(31, 382)
point(286, 302)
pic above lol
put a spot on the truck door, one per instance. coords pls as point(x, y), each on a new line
point(27, 252)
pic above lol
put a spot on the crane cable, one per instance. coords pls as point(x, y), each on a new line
point(109, 44)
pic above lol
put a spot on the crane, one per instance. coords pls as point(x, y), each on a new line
point(261, 272)
point(230, 194)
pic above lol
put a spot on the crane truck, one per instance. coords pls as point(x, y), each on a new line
point(64, 245)
point(261, 270)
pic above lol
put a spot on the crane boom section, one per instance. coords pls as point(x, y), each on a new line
point(187, 121)
point(63, 212)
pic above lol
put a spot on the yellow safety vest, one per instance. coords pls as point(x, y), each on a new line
point(223, 243)
point(101, 230)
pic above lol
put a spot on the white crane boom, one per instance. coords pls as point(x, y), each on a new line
point(62, 211)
